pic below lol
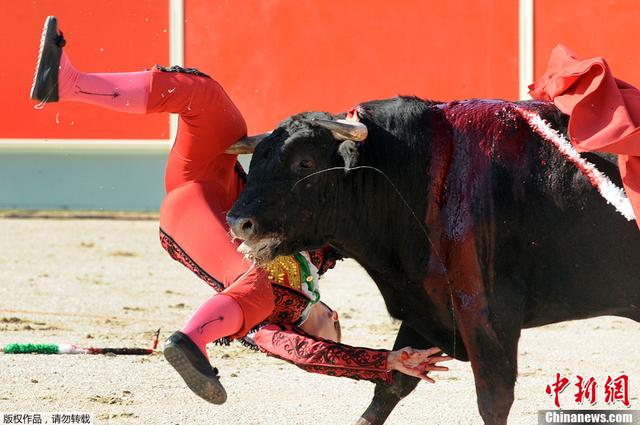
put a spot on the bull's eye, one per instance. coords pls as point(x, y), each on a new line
point(305, 164)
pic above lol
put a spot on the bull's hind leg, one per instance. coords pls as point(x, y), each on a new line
point(386, 397)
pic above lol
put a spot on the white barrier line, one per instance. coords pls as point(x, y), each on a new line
point(525, 47)
point(176, 48)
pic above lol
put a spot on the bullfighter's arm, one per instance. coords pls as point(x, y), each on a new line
point(323, 356)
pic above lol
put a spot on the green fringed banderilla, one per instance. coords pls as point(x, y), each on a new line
point(70, 349)
point(31, 349)
point(74, 349)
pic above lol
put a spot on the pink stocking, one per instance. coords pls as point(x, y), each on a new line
point(219, 316)
point(124, 91)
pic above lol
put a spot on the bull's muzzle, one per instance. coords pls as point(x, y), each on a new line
point(243, 228)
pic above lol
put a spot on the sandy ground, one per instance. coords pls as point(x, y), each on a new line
point(109, 283)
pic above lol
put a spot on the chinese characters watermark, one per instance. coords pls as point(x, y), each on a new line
point(615, 390)
point(45, 418)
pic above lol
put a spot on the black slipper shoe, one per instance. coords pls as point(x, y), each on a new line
point(194, 368)
point(45, 81)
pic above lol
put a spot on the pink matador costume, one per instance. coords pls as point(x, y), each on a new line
point(202, 182)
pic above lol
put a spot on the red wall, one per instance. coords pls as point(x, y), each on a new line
point(607, 28)
point(277, 57)
point(113, 35)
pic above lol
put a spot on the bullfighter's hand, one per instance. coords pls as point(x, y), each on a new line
point(417, 362)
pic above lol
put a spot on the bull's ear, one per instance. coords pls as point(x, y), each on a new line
point(348, 150)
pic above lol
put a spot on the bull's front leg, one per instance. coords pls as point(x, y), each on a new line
point(386, 397)
point(492, 350)
point(488, 311)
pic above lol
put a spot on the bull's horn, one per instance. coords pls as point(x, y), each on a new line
point(345, 130)
point(246, 145)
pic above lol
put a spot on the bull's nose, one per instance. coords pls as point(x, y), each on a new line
point(242, 227)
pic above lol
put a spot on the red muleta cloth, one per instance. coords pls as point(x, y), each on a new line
point(604, 112)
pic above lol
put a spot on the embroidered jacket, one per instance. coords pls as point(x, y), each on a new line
point(281, 339)
point(318, 355)
point(294, 292)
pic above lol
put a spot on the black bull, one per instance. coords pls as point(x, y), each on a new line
point(470, 224)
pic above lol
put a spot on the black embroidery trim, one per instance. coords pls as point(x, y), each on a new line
point(289, 304)
point(178, 254)
point(338, 360)
point(181, 70)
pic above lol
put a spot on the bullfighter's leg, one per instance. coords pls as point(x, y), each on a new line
point(386, 396)
point(201, 180)
point(202, 184)
point(198, 172)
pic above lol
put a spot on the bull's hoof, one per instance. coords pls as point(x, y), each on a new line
point(362, 421)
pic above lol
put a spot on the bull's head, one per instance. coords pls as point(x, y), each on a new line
point(293, 190)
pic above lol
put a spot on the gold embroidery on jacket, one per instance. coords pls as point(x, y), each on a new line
point(284, 271)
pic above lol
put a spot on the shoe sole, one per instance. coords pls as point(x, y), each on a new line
point(50, 29)
point(206, 387)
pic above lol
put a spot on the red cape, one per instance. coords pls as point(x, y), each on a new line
point(604, 111)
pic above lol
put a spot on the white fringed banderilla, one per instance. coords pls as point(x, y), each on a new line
point(613, 194)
